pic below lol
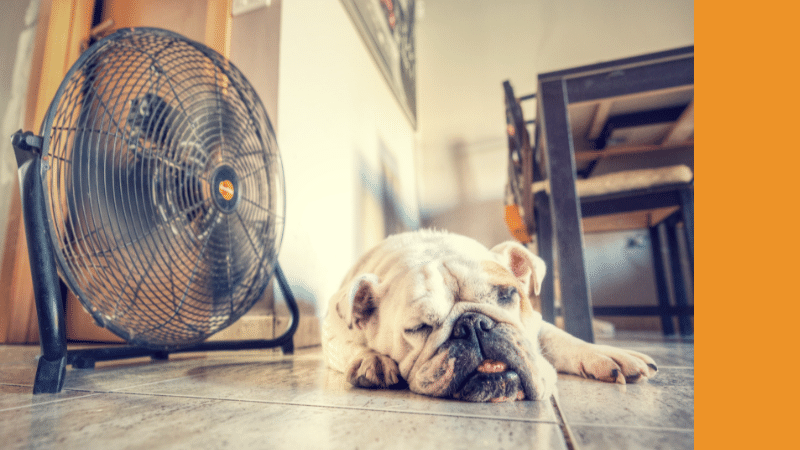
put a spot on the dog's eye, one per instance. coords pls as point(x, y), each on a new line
point(422, 328)
point(506, 294)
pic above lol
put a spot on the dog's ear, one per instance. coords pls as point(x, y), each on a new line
point(361, 301)
point(527, 267)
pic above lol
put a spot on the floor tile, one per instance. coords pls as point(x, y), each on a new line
point(665, 401)
point(604, 438)
point(17, 353)
point(18, 367)
point(12, 397)
point(263, 399)
point(110, 376)
point(137, 421)
point(18, 364)
point(305, 380)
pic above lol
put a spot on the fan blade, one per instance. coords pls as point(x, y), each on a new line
point(151, 116)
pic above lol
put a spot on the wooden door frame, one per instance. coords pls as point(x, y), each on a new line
point(60, 29)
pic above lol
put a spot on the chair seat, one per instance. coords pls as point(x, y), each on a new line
point(629, 180)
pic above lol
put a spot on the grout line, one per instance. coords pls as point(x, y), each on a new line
point(633, 427)
point(122, 390)
point(351, 408)
point(566, 432)
point(166, 380)
point(44, 403)
point(17, 385)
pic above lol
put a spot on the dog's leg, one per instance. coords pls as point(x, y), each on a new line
point(601, 362)
point(362, 366)
point(370, 369)
point(344, 351)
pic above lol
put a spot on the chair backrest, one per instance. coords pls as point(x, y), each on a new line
point(523, 169)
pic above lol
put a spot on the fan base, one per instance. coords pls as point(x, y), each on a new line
point(50, 374)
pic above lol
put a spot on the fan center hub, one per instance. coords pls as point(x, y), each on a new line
point(225, 188)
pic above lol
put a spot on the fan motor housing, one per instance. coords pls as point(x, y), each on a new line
point(226, 192)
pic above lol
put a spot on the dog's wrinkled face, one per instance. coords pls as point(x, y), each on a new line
point(460, 326)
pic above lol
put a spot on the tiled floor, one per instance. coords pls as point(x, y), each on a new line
point(262, 399)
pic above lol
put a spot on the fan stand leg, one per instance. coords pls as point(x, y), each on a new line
point(52, 369)
point(50, 375)
point(291, 302)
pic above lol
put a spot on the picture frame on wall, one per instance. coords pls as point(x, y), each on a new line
point(388, 30)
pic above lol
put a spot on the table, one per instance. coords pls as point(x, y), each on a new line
point(561, 96)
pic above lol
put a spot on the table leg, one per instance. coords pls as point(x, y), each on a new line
point(565, 210)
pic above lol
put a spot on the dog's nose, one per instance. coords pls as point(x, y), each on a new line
point(471, 324)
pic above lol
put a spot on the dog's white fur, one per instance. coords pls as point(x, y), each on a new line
point(394, 317)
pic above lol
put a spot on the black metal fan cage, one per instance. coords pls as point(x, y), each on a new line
point(156, 194)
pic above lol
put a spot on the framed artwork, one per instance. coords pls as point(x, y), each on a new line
point(387, 27)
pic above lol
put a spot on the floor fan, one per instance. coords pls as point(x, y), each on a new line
point(155, 193)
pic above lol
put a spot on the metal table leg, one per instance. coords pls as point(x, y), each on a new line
point(565, 210)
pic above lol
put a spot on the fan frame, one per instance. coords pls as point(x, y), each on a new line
point(32, 159)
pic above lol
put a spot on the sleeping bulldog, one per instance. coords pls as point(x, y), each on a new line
point(451, 318)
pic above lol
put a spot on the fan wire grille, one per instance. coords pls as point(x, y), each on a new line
point(164, 188)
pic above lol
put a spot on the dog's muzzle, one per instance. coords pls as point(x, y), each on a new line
point(493, 363)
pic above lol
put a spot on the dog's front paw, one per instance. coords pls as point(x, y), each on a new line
point(545, 382)
point(373, 370)
point(614, 365)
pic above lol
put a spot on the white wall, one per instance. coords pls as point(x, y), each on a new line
point(578, 32)
point(335, 113)
point(467, 48)
point(17, 33)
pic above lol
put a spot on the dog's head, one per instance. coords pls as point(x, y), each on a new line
point(460, 320)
